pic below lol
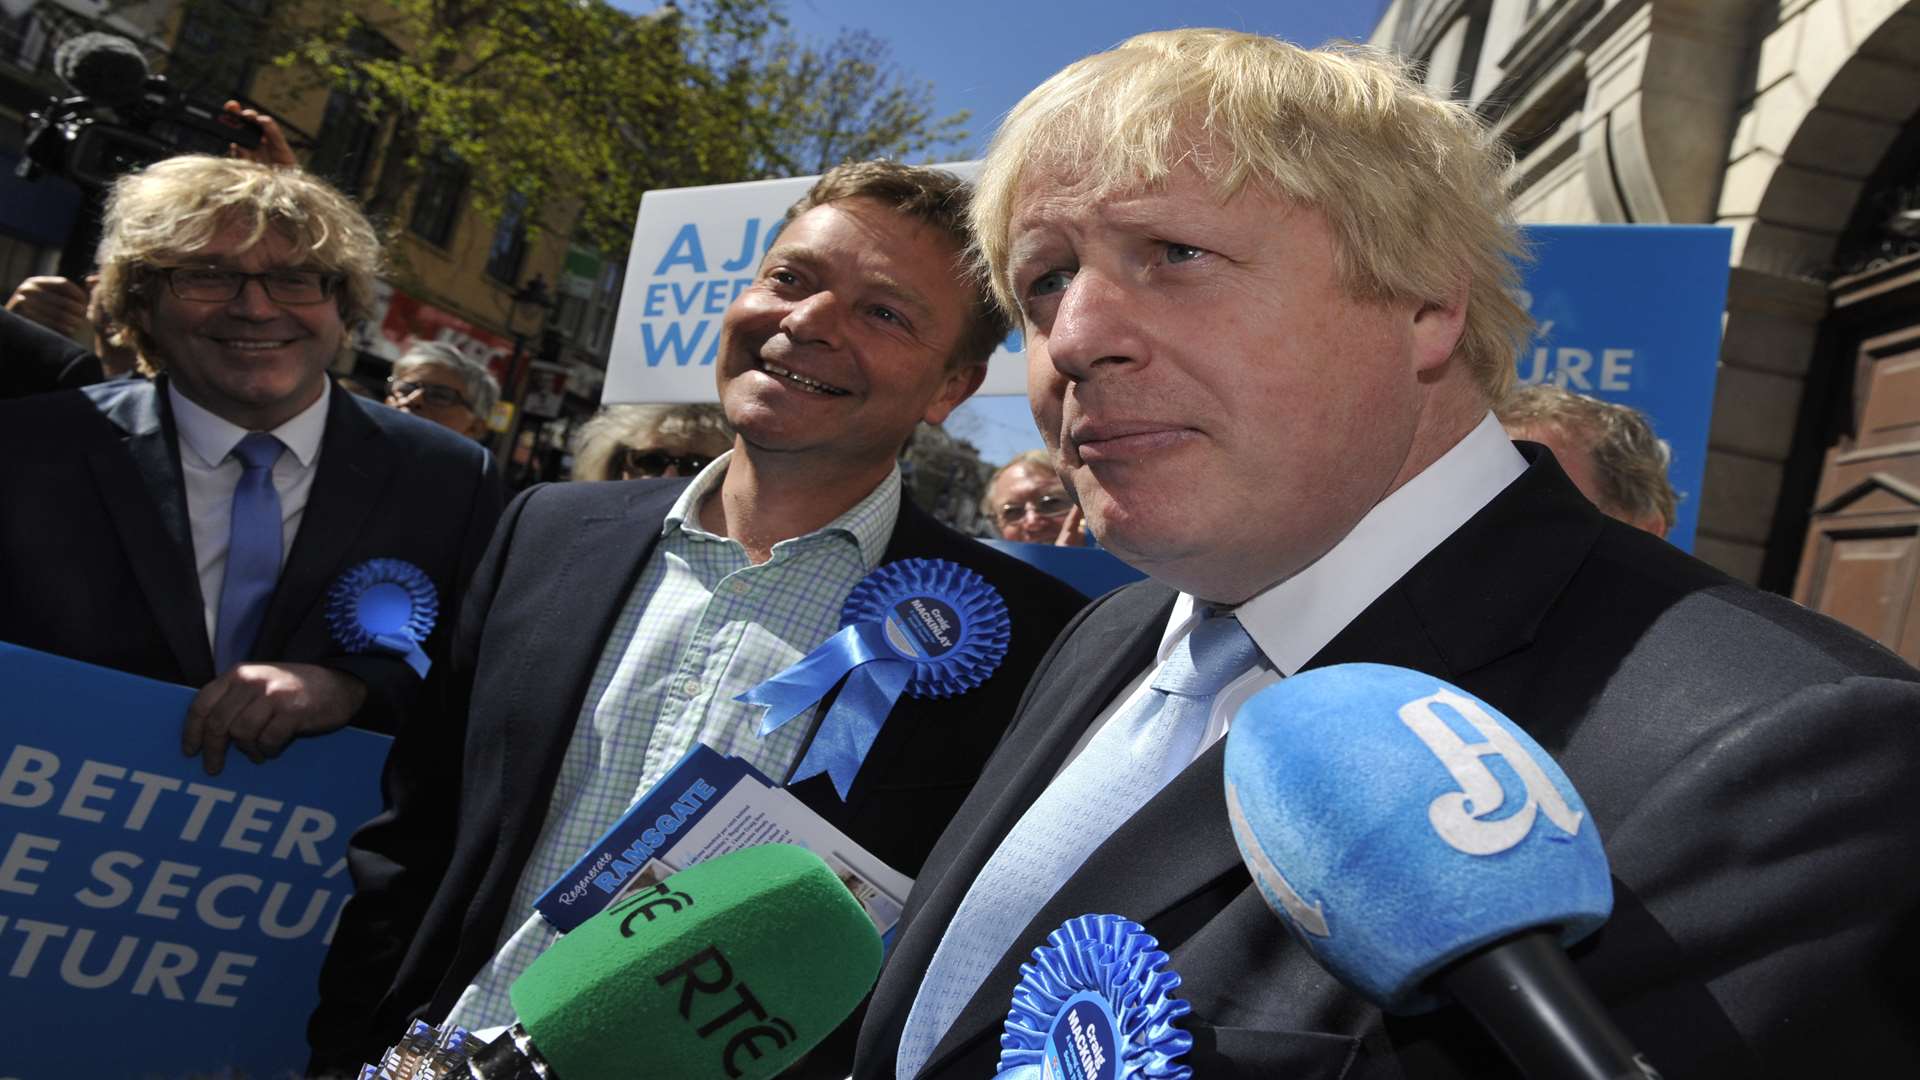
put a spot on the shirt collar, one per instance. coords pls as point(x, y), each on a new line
point(1294, 620)
point(211, 438)
point(868, 523)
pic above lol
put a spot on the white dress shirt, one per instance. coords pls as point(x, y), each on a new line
point(1296, 618)
point(212, 472)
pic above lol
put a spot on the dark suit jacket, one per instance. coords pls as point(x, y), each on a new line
point(35, 360)
point(1749, 765)
point(436, 872)
point(96, 555)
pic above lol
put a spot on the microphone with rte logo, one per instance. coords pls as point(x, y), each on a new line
point(1423, 847)
point(732, 968)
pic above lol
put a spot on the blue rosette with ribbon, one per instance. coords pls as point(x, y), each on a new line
point(925, 627)
point(1096, 1003)
point(384, 605)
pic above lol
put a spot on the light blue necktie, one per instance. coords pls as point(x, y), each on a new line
point(1123, 766)
point(253, 552)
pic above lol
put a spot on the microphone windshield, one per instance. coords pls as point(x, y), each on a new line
point(1397, 823)
point(732, 967)
point(106, 68)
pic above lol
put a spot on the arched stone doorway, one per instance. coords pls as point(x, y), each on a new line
point(1815, 456)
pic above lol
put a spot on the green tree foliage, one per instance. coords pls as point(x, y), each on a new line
point(576, 103)
point(843, 102)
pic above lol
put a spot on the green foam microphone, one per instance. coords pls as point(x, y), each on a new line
point(733, 968)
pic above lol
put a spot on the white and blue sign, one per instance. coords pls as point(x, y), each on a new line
point(1632, 313)
point(156, 921)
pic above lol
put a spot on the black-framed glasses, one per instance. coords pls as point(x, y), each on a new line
point(444, 397)
point(1046, 506)
point(211, 284)
point(635, 462)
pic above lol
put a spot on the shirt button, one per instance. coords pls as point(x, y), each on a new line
point(691, 687)
point(740, 586)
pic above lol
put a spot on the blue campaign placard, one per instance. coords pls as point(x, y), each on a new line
point(156, 921)
point(1093, 571)
point(1632, 313)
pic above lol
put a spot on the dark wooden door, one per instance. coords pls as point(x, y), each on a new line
point(1861, 560)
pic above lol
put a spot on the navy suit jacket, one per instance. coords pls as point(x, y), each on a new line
point(96, 555)
point(35, 360)
point(436, 871)
point(1749, 765)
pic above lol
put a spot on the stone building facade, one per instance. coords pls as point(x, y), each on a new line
point(1793, 123)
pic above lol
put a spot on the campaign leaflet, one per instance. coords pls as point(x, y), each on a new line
point(707, 805)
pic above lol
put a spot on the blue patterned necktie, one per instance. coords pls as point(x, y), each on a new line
point(253, 552)
point(1123, 766)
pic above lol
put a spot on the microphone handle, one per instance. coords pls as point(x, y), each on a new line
point(511, 1056)
point(1525, 992)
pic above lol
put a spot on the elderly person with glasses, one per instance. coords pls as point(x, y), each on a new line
point(1025, 501)
point(437, 382)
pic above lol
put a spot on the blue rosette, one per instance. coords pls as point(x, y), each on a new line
point(1096, 1003)
point(384, 605)
point(925, 627)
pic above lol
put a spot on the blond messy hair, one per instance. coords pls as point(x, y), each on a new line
point(164, 214)
point(703, 427)
point(1411, 186)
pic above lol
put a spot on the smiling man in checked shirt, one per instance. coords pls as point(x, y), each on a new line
point(612, 625)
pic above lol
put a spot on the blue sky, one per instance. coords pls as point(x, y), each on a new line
point(984, 55)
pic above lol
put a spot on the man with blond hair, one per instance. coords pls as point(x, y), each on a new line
point(190, 528)
point(1266, 298)
point(1607, 449)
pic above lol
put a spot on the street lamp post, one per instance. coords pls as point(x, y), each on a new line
point(534, 292)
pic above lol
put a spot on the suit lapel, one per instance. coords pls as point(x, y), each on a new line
point(604, 553)
point(140, 481)
point(1103, 662)
point(1451, 615)
point(1445, 617)
point(1116, 641)
point(1160, 874)
point(354, 472)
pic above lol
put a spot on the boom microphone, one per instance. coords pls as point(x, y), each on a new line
point(1418, 843)
point(733, 967)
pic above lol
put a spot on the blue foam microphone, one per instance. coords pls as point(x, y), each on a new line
point(1421, 846)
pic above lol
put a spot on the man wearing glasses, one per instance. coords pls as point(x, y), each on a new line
point(189, 529)
point(437, 382)
point(1026, 502)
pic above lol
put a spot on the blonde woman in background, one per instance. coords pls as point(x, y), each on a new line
point(632, 442)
